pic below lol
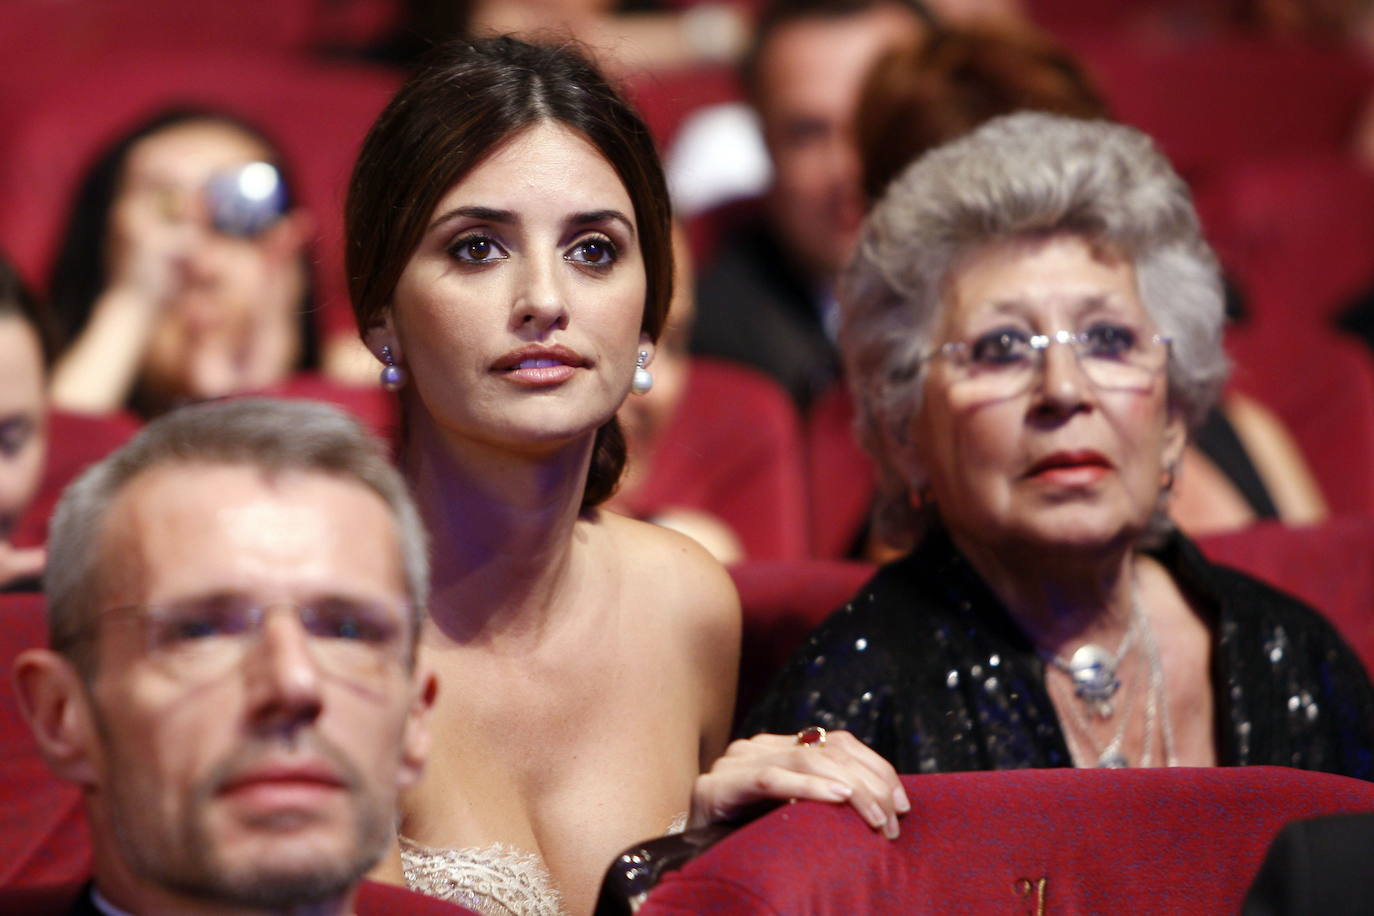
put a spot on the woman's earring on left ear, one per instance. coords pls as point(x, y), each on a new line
point(393, 376)
point(644, 379)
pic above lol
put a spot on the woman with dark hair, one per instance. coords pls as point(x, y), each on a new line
point(509, 255)
point(182, 274)
point(25, 350)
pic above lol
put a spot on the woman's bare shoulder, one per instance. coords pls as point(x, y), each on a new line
point(677, 571)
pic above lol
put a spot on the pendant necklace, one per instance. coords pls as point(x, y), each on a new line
point(1156, 705)
point(1092, 669)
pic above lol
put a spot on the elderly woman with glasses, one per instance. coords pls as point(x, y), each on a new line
point(1031, 326)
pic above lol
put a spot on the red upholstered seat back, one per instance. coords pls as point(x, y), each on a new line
point(377, 899)
point(1019, 841)
point(375, 408)
point(782, 603)
point(43, 835)
point(1216, 102)
point(75, 441)
point(732, 449)
point(1321, 385)
point(839, 474)
point(1296, 232)
point(1330, 566)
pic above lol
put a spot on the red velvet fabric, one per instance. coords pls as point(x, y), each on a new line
point(839, 475)
point(317, 112)
point(1321, 385)
point(377, 899)
point(375, 408)
point(43, 835)
point(1018, 841)
point(1215, 102)
point(1296, 232)
point(782, 603)
point(1330, 566)
point(732, 449)
point(665, 99)
point(75, 441)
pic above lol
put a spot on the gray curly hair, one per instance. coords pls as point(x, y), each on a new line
point(1024, 175)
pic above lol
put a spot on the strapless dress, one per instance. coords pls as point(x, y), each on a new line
point(494, 880)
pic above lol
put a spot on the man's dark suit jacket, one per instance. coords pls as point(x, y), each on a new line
point(1320, 866)
point(754, 307)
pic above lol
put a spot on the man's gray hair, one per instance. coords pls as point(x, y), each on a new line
point(1025, 175)
point(270, 434)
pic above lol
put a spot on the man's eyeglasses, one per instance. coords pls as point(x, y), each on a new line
point(204, 638)
point(1002, 363)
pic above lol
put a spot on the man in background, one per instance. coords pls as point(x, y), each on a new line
point(768, 297)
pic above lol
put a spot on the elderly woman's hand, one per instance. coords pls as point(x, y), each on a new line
point(777, 767)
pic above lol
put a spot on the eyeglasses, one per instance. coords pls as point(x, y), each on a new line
point(1002, 363)
point(204, 638)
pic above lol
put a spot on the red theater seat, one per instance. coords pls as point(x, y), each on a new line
point(1216, 102)
point(1330, 566)
point(733, 449)
point(1020, 841)
point(1296, 232)
point(75, 441)
point(1321, 385)
point(839, 475)
point(372, 406)
point(782, 603)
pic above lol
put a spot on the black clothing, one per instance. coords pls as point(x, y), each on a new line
point(754, 307)
point(927, 667)
point(1317, 867)
point(1216, 438)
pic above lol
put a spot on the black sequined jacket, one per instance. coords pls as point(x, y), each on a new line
point(928, 668)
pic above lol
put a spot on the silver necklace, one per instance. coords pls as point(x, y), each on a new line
point(1112, 756)
point(1092, 669)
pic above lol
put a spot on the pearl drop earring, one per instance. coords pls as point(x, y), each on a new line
point(644, 379)
point(393, 376)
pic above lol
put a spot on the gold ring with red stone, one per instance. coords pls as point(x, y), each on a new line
point(811, 736)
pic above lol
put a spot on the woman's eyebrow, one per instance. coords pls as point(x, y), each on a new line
point(484, 214)
point(592, 217)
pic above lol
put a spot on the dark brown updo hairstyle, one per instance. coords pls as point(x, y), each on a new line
point(465, 99)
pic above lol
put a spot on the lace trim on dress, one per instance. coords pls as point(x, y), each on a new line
point(494, 880)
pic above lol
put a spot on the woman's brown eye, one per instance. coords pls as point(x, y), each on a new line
point(594, 252)
point(479, 249)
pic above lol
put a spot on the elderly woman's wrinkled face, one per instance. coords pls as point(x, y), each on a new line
point(1028, 435)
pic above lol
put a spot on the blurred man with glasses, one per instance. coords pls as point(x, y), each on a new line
point(233, 602)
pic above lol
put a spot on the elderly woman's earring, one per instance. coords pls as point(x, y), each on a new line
point(393, 376)
point(644, 379)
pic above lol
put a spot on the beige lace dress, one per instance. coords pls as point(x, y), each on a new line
point(494, 880)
